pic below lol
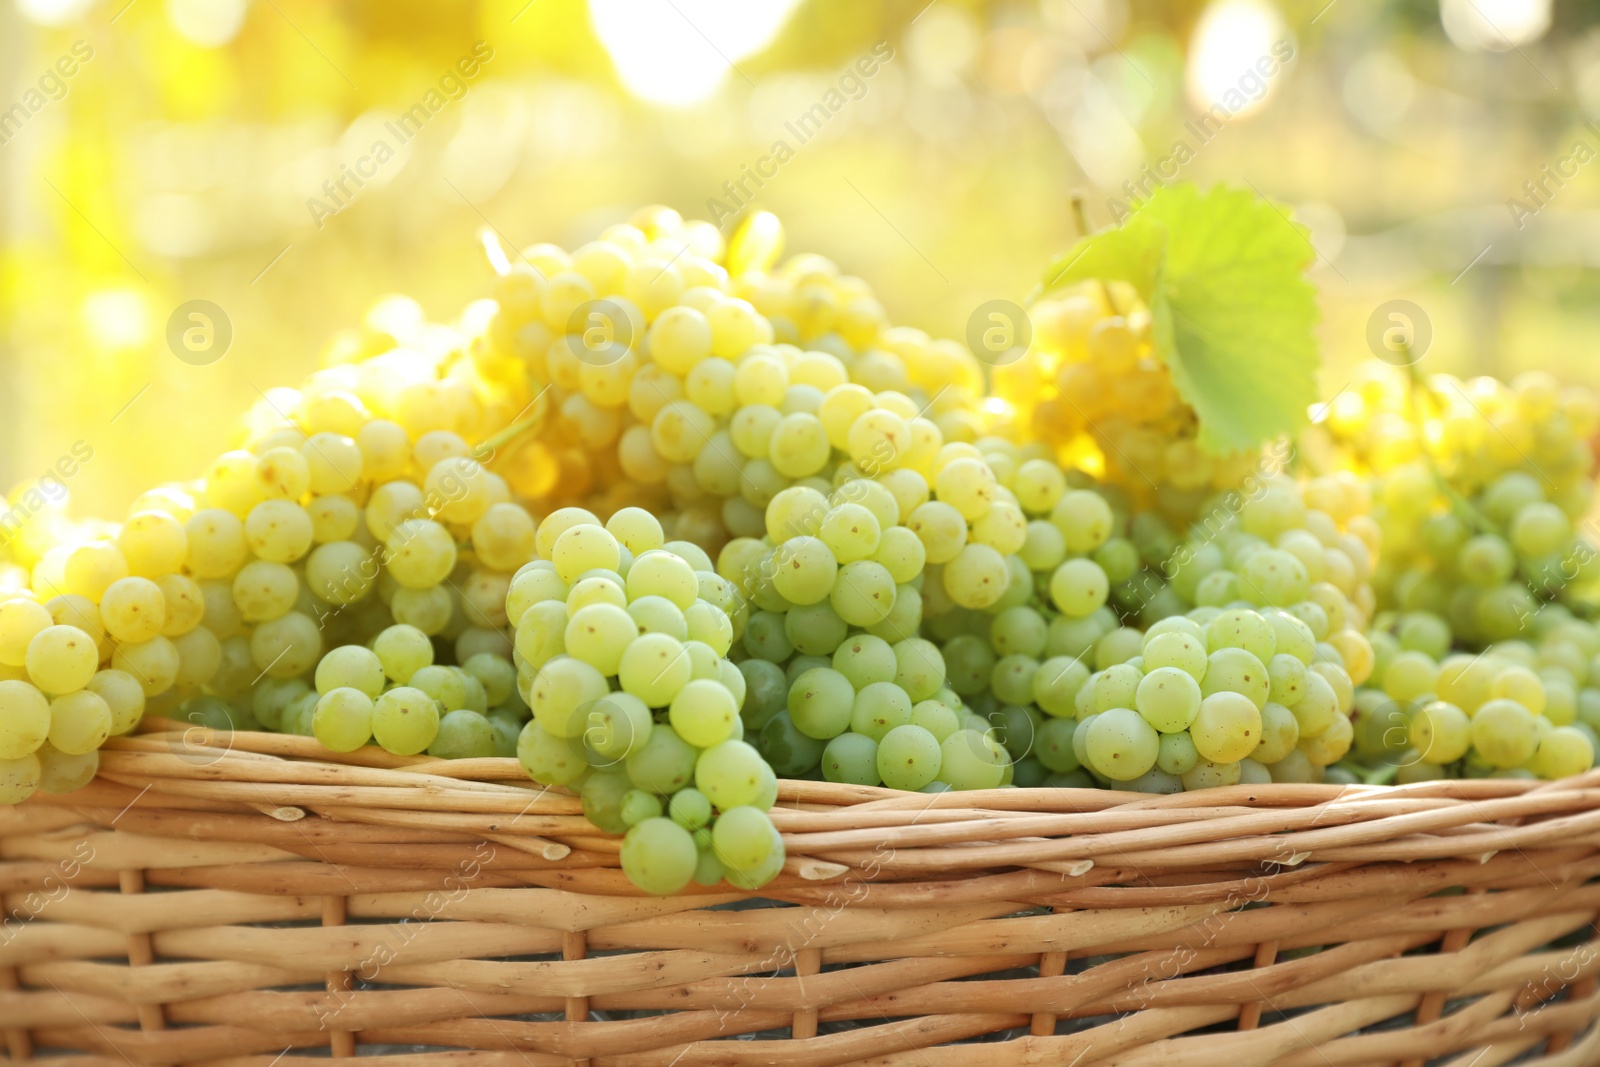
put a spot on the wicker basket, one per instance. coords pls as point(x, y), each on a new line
point(250, 899)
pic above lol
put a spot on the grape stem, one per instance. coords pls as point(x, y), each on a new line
point(1081, 217)
point(1458, 501)
point(492, 444)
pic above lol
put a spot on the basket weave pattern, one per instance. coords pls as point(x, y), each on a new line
point(251, 899)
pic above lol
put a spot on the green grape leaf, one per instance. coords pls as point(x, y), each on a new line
point(1232, 314)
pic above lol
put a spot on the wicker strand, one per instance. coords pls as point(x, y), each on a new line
point(575, 946)
point(1250, 1014)
point(18, 1043)
point(339, 982)
point(807, 961)
point(141, 954)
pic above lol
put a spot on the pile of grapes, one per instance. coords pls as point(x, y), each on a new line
point(667, 520)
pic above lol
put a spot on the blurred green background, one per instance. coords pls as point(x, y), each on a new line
point(186, 153)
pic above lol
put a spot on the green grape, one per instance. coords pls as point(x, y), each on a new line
point(59, 772)
point(936, 718)
point(904, 619)
point(402, 651)
point(704, 713)
point(901, 553)
point(1115, 687)
point(507, 730)
point(343, 719)
point(970, 759)
point(658, 615)
point(463, 734)
point(851, 531)
point(284, 647)
point(1168, 698)
point(1242, 630)
point(815, 629)
point(133, 609)
point(821, 703)
point(766, 692)
point(24, 719)
point(1079, 587)
point(1015, 727)
point(20, 621)
point(664, 764)
point(599, 635)
point(755, 877)
point(1011, 681)
point(878, 708)
point(1522, 685)
point(804, 570)
point(1272, 576)
point(1056, 685)
point(1317, 707)
point(62, 659)
point(941, 529)
point(278, 531)
point(908, 757)
point(864, 659)
point(863, 594)
point(637, 806)
point(1295, 767)
point(351, 666)
point(1228, 727)
point(1504, 733)
point(654, 667)
point(79, 722)
point(664, 574)
point(1293, 637)
point(1440, 732)
point(1236, 670)
point(790, 752)
point(765, 637)
point(1280, 732)
point(970, 663)
point(615, 725)
point(1287, 677)
point(1564, 751)
point(125, 697)
point(602, 794)
point(690, 809)
point(730, 773)
point(1120, 744)
point(636, 529)
point(1330, 746)
point(1053, 746)
point(1410, 675)
point(851, 758)
point(560, 691)
point(444, 684)
point(582, 548)
point(800, 664)
point(1180, 650)
point(743, 838)
point(660, 856)
point(1117, 646)
point(709, 624)
point(919, 667)
point(976, 578)
point(1019, 631)
point(1425, 633)
point(1208, 775)
point(19, 778)
point(1177, 754)
point(495, 673)
point(1084, 518)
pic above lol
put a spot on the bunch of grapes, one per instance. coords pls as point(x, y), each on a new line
point(622, 639)
point(1479, 488)
point(355, 513)
point(1091, 386)
point(666, 520)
